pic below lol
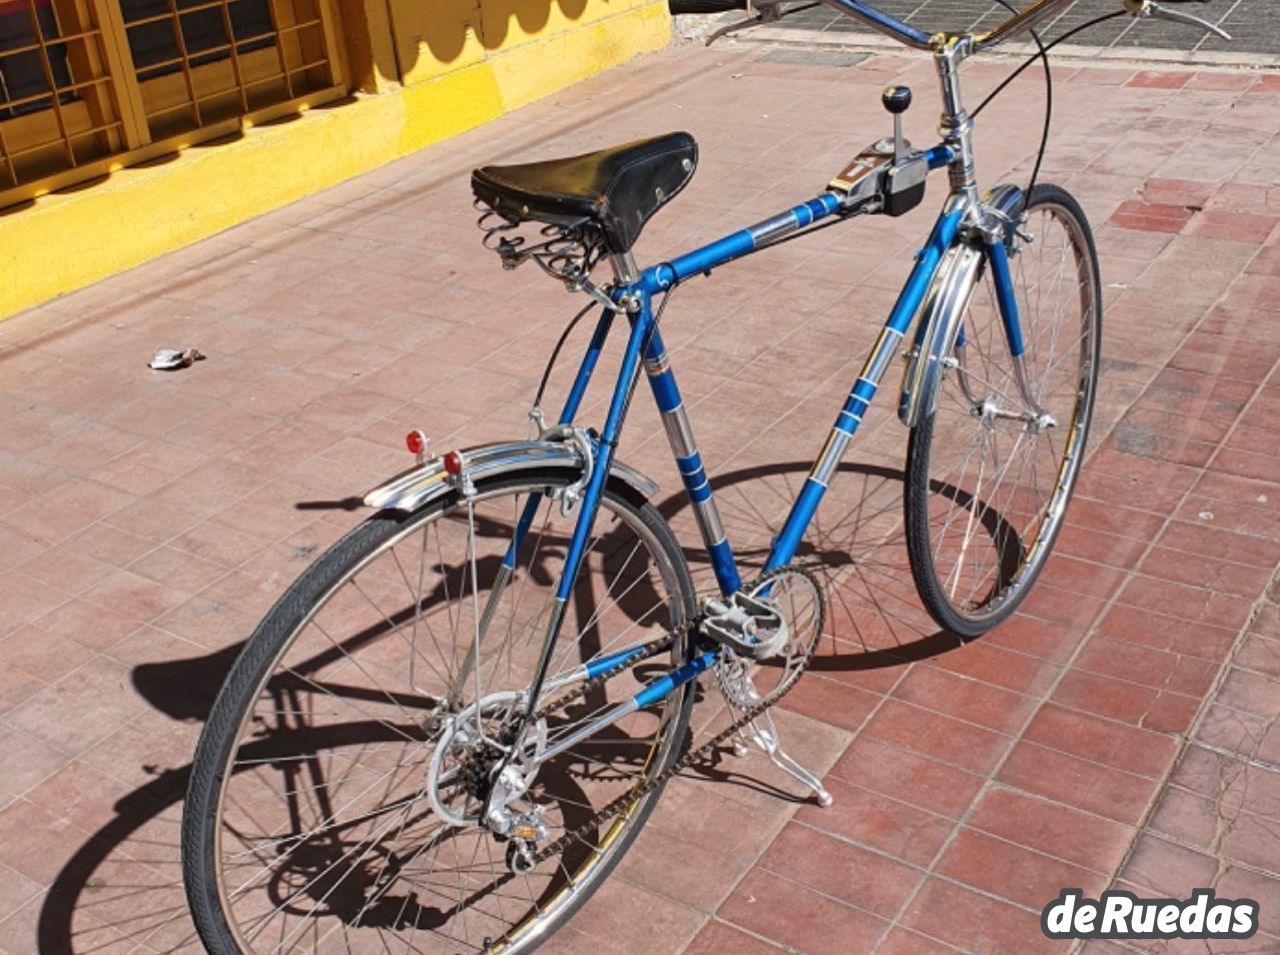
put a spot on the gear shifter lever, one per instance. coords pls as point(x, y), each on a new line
point(897, 100)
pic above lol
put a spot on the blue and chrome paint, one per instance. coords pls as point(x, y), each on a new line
point(654, 692)
point(1006, 297)
point(885, 23)
point(864, 389)
point(645, 346)
point(570, 410)
point(744, 242)
point(675, 420)
point(588, 365)
point(593, 668)
point(641, 324)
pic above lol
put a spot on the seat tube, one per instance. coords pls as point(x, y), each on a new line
point(675, 419)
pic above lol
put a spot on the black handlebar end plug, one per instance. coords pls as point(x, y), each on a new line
point(897, 99)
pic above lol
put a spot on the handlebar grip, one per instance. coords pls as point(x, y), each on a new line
point(705, 6)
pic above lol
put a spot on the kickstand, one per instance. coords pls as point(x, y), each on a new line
point(765, 733)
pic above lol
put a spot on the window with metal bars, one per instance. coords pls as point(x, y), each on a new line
point(88, 85)
point(161, 32)
point(24, 85)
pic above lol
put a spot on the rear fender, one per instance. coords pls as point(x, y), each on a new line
point(423, 484)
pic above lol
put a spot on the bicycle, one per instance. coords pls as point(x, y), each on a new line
point(451, 727)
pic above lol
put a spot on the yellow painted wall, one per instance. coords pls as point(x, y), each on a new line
point(420, 78)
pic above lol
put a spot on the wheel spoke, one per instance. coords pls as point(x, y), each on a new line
point(359, 760)
point(988, 481)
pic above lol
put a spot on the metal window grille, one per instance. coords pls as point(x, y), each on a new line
point(58, 100)
point(90, 85)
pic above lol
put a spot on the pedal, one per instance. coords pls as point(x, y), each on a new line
point(744, 625)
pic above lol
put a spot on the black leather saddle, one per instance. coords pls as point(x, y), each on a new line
point(618, 189)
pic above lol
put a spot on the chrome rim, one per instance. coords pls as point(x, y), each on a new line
point(1008, 436)
point(326, 836)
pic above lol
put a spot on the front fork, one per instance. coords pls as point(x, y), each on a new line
point(997, 258)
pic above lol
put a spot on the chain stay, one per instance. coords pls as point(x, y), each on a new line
point(627, 800)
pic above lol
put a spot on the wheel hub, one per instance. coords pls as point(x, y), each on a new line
point(472, 744)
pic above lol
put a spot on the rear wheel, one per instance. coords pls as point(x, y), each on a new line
point(990, 472)
point(336, 793)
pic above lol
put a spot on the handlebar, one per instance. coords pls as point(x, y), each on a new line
point(918, 39)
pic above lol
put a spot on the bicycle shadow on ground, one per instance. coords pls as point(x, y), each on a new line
point(857, 548)
point(122, 885)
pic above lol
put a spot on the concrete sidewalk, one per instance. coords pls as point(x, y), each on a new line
point(1121, 730)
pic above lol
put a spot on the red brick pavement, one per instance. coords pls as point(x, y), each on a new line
point(1121, 730)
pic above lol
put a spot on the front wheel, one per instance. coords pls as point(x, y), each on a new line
point(990, 472)
point(336, 793)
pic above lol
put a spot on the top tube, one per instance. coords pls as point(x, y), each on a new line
point(920, 40)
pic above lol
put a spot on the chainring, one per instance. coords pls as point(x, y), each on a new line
point(748, 684)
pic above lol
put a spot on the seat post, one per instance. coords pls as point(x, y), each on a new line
point(625, 270)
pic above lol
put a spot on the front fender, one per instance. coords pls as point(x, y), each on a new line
point(944, 308)
point(421, 485)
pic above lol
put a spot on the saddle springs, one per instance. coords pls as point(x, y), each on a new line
point(567, 253)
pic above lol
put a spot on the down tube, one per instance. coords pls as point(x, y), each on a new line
point(864, 389)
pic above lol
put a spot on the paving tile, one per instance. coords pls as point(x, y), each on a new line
point(787, 913)
point(1126, 702)
point(841, 870)
point(718, 938)
point(964, 698)
point(829, 701)
point(56, 514)
point(88, 624)
point(902, 941)
point(28, 761)
point(972, 922)
point(1103, 790)
point(80, 709)
point(940, 737)
point(1168, 869)
point(1151, 217)
point(1203, 641)
point(881, 822)
point(907, 776)
point(1012, 872)
point(42, 654)
point(1085, 840)
point(36, 843)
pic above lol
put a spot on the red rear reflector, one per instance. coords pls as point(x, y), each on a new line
point(416, 442)
point(453, 463)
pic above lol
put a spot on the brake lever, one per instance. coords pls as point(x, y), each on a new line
point(1148, 9)
point(765, 12)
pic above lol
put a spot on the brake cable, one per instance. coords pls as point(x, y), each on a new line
point(1042, 53)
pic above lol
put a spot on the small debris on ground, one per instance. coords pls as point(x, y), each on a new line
point(171, 359)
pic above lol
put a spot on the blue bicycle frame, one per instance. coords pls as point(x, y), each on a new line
point(645, 348)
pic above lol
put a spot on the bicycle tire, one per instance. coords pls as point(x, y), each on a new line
point(933, 490)
point(214, 761)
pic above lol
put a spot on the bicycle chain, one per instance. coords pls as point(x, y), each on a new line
point(624, 802)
